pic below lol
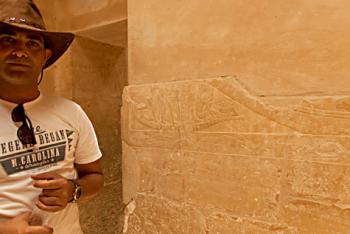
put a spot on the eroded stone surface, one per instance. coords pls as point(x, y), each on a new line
point(246, 164)
point(165, 217)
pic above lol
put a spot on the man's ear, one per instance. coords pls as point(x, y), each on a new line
point(48, 54)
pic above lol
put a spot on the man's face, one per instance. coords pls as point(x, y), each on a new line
point(22, 57)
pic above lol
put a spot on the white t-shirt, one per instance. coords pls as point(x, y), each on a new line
point(64, 136)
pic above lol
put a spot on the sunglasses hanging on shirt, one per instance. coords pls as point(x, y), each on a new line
point(25, 132)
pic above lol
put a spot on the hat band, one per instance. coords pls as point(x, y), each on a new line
point(24, 21)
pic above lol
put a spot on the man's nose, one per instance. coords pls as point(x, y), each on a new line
point(20, 50)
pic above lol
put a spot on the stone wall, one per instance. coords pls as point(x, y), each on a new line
point(236, 117)
point(93, 73)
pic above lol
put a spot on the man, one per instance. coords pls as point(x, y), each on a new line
point(49, 156)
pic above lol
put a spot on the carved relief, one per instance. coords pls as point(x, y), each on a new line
point(198, 105)
point(170, 108)
point(241, 154)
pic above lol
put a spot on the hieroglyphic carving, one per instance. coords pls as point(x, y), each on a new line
point(170, 108)
point(261, 161)
point(185, 113)
point(324, 149)
point(300, 118)
point(198, 105)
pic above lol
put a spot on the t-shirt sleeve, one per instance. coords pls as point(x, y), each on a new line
point(87, 149)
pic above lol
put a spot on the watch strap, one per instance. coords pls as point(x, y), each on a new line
point(77, 191)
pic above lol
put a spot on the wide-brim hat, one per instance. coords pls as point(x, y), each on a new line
point(24, 15)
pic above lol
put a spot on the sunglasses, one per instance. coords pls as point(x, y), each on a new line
point(25, 132)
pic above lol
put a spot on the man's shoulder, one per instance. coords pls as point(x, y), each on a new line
point(60, 104)
point(57, 100)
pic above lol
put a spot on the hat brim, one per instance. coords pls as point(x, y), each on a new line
point(57, 42)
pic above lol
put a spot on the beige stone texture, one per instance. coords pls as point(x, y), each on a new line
point(240, 111)
point(93, 73)
point(78, 15)
point(276, 47)
point(231, 162)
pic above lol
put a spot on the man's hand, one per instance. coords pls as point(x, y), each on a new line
point(20, 225)
point(57, 191)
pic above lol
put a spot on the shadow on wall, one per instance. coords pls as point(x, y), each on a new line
point(99, 75)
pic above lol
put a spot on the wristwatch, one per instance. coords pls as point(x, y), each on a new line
point(77, 191)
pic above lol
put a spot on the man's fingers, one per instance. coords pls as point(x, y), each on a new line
point(51, 201)
point(52, 193)
point(48, 208)
point(39, 230)
point(46, 184)
point(50, 184)
point(45, 176)
point(23, 220)
point(24, 216)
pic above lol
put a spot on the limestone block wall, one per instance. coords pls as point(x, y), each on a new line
point(93, 73)
point(236, 117)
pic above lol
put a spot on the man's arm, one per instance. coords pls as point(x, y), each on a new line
point(57, 190)
point(90, 179)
